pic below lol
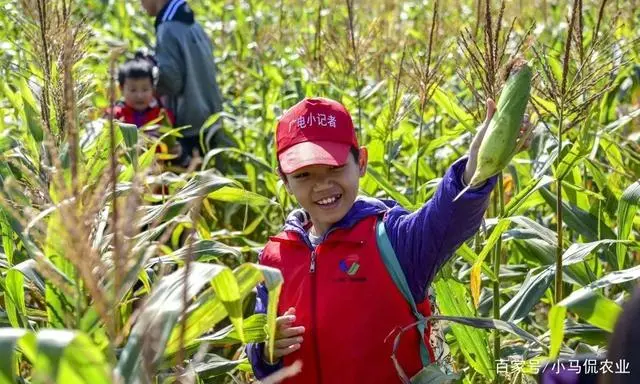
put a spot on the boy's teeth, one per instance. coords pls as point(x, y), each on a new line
point(328, 200)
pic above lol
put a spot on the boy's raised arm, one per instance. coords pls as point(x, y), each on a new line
point(426, 239)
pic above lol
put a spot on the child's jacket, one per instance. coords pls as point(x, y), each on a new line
point(127, 114)
point(187, 74)
point(343, 294)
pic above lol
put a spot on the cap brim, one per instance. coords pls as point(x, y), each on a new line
point(313, 153)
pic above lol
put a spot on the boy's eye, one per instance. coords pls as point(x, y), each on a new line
point(301, 175)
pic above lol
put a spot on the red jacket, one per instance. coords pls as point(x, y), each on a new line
point(342, 280)
point(127, 114)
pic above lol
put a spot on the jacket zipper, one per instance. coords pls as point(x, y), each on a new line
point(312, 271)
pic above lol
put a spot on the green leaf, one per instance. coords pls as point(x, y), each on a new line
point(254, 331)
point(570, 160)
point(9, 338)
point(220, 292)
point(6, 232)
point(497, 232)
point(263, 165)
point(578, 252)
point(214, 366)
point(240, 196)
point(612, 152)
point(144, 162)
point(613, 278)
point(206, 311)
point(454, 300)
point(201, 250)
point(14, 299)
point(579, 220)
point(31, 111)
point(201, 185)
point(130, 136)
point(386, 186)
point(527, 295)
point(594, 308)
point(158, 318)
point(627, 208)
point(557, 315)
point(432, 374)
point(65, 356)
point(471, 257)
point(451, 106)
point(488, 323)
point(525, 193)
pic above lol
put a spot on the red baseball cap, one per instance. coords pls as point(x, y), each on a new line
point(316, 131)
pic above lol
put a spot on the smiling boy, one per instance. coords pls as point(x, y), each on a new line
point(338, 302)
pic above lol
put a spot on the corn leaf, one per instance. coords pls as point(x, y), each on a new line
point(451, 106)
point(527, 295)
point(471, 257)
point(207, 310)
point(14, 298)
point(254, 331)
point(6, 232)
point(594, 308)
point(201, 185)
point(557, 315)
point(65, 356)
point(627, 208)
point(497, 232)
point(579, 220)
point(160, 316)
point(9, 338)
point(213, 366)
point(525, 193)
point(201, 250)
point(454, 300)
point(386, 186)
point(240, 196)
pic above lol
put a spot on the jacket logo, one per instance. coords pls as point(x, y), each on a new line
point(350, 265)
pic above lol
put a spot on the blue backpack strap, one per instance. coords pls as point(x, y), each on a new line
point(395, 270)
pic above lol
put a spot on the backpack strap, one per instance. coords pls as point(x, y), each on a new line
point(395, 270)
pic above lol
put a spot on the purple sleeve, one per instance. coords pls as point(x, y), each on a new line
point(255, 351)
point(426, 239)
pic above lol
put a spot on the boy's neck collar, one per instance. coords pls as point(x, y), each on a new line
point(300, 221)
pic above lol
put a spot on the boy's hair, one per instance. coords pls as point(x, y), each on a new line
point(355, 152)
point(136, 68)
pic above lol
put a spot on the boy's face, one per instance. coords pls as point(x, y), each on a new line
point(153, 6)
point(138, 93)
point(327, 192)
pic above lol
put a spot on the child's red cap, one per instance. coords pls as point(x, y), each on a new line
point(315, 131)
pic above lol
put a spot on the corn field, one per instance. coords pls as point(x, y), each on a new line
point(102, 280)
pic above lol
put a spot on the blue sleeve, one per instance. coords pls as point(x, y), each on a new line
point(424, 240)
point(255, 351)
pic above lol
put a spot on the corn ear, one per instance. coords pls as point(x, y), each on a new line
point(499, 144)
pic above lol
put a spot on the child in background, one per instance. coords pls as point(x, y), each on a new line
point(187, 73)
point(139, 105)
point(339, 302)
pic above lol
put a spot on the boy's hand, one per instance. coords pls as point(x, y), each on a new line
point(288, 338)
point(482, 130)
